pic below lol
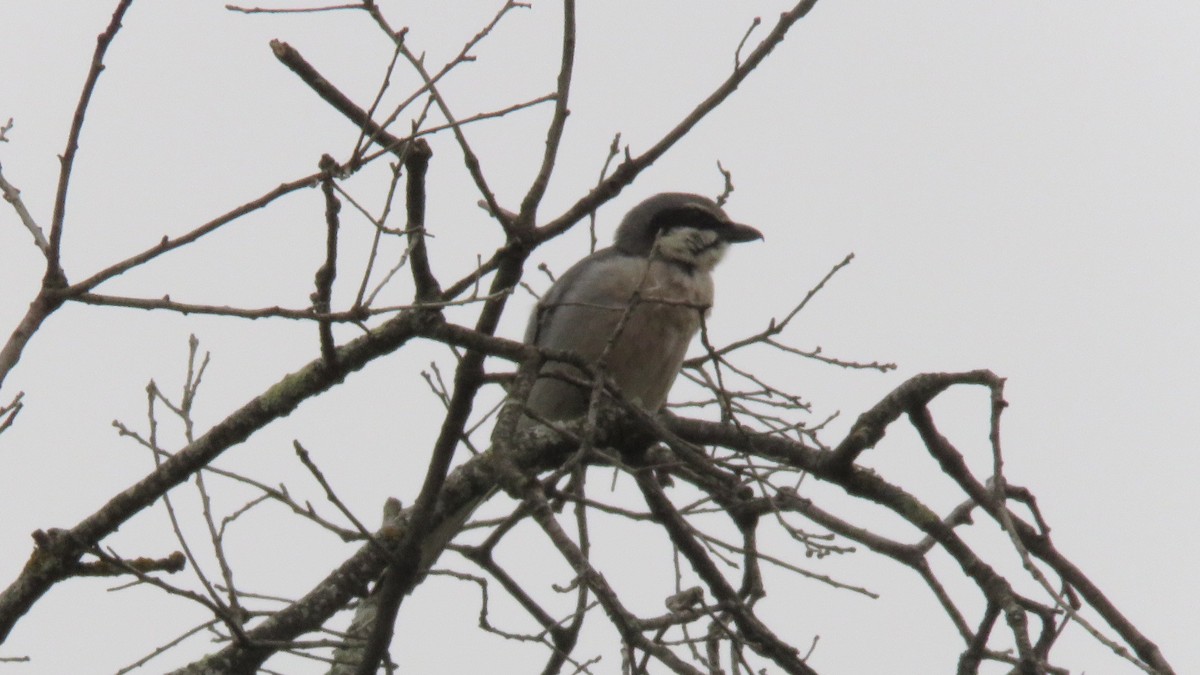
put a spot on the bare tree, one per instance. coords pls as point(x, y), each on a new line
point(717, 477)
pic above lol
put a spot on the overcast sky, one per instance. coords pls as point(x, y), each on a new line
point(1018, 183)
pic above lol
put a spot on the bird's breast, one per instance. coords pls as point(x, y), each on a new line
point(647, 355)
point(637, 315)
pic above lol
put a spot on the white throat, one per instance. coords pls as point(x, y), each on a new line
point(701, 249)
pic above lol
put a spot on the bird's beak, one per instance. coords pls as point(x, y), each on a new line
point(736, 232)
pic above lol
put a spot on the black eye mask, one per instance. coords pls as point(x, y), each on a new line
point(689, 216)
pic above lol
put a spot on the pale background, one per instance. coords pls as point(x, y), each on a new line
point(1018, 182)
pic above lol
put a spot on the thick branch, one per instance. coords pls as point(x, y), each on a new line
point(406, 566)
point(533, 452)
point(417, 163)
point(291, 58)
point(1038, 544)
point(41, 307)
point(54, 560)
point(914, 393)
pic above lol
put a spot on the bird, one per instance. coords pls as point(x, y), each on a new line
point(638, 304)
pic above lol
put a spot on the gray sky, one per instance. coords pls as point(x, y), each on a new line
point(1017, 181)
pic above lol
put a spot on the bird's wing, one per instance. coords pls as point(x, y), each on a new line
point(582, 308)
point(582, 311)
point(579, 314)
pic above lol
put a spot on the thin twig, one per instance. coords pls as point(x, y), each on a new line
point(306, 460)
point(294, 10)
point(307, 314)
point(773, 327)
point(169, 244)
point(322, 297)
point(614, 149)
point(67, 160)
point(13, 196)
point(469, 157)
point(737, 54)
point(628, 170)
point(558, 121)
point(9, 411)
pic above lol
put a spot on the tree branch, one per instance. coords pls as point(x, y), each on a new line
point(291, 58)
point(54, 272)
point(628, 170)
point(529, 206)
point(13, 196)
point(53, 559)
point(322, 297)
point(417, 163)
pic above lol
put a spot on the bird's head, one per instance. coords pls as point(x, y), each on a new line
point(684, 228)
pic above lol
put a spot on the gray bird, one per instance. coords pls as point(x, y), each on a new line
point(664, 252)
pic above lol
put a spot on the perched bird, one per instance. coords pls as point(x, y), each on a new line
point(637, 303)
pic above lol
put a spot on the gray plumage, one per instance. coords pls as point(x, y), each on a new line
point(664, 251)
